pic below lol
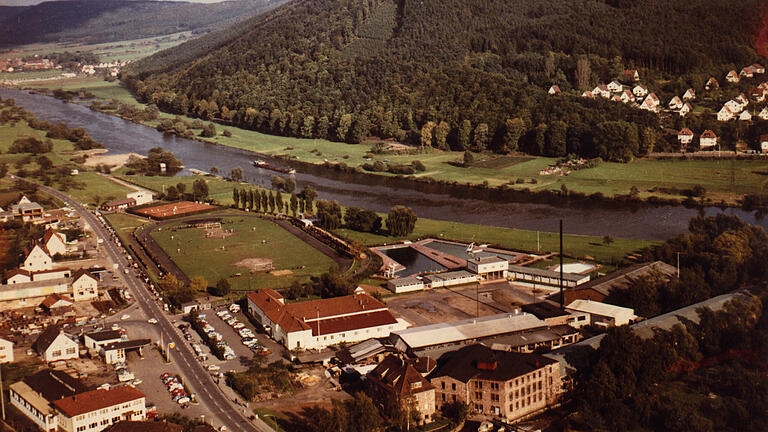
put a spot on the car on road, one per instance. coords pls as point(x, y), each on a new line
point(152, 320)
point(213, 368)
point(137, 382)
point(125, 317)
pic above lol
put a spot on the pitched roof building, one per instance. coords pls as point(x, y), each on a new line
point(398, 379)
point(33, 395)
point(98, 409)
point(53, 345)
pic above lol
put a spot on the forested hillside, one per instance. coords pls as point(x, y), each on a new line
point(94, 21)
point(458, 73)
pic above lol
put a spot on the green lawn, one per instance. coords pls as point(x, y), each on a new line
point(253, 238)
point(576, 246)
point(218, 188)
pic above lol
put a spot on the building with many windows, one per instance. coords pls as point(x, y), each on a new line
point(399, 380)
point(96, 410)
point(33, 396)
point(54, 345)
point(497, 384)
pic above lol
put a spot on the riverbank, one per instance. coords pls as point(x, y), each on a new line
point(725, 181)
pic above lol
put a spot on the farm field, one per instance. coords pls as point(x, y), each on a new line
point(245, 241)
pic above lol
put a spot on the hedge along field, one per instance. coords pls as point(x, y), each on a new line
point(251, 238)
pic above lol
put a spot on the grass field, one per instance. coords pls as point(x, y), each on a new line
point(253, 238)
point(91, 186)
point(576, 246)
point(723, 179)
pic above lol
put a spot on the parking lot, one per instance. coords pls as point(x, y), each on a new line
point(455, 303)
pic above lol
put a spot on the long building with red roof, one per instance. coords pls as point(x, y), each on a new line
point(98, 409)
point(317, 324)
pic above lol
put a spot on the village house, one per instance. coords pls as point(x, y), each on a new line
point(6, 351)
point(745, 116)
point(712, 84)
point(397, 380)
point(140, 197)
point(603, 314)
point(758, 69)
point(317, 324)
point(497, 384)
point(602, 91)
point(588, 94)
point(764, 144)
point(118, 205)
point(651, 103)
point(763, 114)
point(553, 90)
point(742, 100)
point(707, 140)
point(732, 77)
point(685, 136)
point(640, 91)
point(54, 345)
point(689, 95)
point(28, 211)
point(627, 96)
point(96, 410)
point(676, 103)
point(56, 304)
point(23, 285)
point(757, 94)
point(5, 215)
point(631, 75)
point(55, 242)
point(33, 396)
point(725, 114)
point(685, 109)
point(615, 87)
point(37, 260)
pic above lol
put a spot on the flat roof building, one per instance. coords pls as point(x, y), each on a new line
point(603, 314)
point(546, 277)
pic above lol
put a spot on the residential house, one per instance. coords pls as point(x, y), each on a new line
point(734, 106)
point(712, 84)
point(603, 314)
point(640, 91)
point(651, 103)
point(28, 211)
point(96, 410)
point(758, 69)
point(708, 139)
point(6, 351)
point(631, 75)
point(732, 77)
point(85, 286)
point(763, 114)
point(34, 394)
point(397, 380)
point(54, 345)
point(676, 103)
point(553, 90)
point(602, 91)
point(5, 215)
point(93, 341)
point(757, 94)
point(56, 304)
point(745, 116)
point(685, 109)
point(742, 100)
point(54, 242)
point(615, 87)
point(501, 384)
point(627, 96)
point(588, 94)
point(689, 95)
point(764, 144)
point(685, 136)
point(725, 114)
point(37, 259)
point(317, 324)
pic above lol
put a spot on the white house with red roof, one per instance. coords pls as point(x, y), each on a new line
point(602, 91)
point(640, 91)
point(676, 103)
point(96, 410)
point(37, 259)
point(685, 109)
point(689, 95)
point(54, 242)
point(615, 87)
point(651, 103)
point(712, 84)
point(708, 139)
point(685, 136)
point(318, 324)
point(631, 75)
point(732, 77)
point(745, 116)
point(553, 90)
point(764, 144)
point(725, 114)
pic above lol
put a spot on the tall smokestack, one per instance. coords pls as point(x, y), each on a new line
point(562, 295)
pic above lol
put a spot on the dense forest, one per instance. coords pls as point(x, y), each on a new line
point(459, 74)
point(95, 21)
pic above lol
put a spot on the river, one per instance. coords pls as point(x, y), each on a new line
point(122, 136)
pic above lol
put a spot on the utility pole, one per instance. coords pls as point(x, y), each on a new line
point(538, 242)
point(562, 294)
point(678, 264)
point(2, 392)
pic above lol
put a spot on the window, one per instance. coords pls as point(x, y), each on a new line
point(56, 353)
point(453, 386)
point(71, 350)
point(442, 385)
point(443, 397)
point(494, 386)
point(453, 397)
point(540, 385)
point(478, 395)
point(494, 397)
point(517, 394)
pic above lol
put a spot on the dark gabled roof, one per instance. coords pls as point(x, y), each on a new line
point(544, 310)
point(80, 273)
point(104, 335)
point(46, 338)
point(131, 344)
point(143, 426)
point(53, 299)
point(96, 400)
point(399, 376)
point(54, 385)
point(462, 365)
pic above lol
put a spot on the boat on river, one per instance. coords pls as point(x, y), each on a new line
point(266, 165)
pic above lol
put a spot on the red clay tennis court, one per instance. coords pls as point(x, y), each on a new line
point(166, 211)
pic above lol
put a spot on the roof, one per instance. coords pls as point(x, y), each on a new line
point(49, 234)
point(120, 202)
point(458, 274)
point(571, 277)
point(399, 376)
point(685, 131)
point(144, 426)
point(105, 335)
point(96, 399)
point(33, 398)
point(598, 308)
point(708, 134)
point(52, 299)
point(362, 350)
point(467, 329)
point(80, 273)
point(136, 343)
point(488, 259)
point(46, 338)
point(480, 362)
point(340, 314)
point(405, 281)
point(622, 278)
point(544, 310)
point(54, 384)
point(17, 271)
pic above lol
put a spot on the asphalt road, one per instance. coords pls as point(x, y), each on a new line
point(195, 375)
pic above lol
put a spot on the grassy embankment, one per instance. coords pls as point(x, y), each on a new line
point(91, 187)
point(216, 258)
point(724, 180)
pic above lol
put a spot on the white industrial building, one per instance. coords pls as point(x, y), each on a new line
point(141, 197)
point(603, 314)
point(489, 267)
point(546, 277)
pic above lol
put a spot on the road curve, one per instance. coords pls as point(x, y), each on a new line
point(209, 394)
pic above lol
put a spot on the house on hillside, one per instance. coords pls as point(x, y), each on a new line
point(631, 75)
point(588, 94)
point(763, 114)
point(764, 144)
point(685, 136)
point(640, 91)
point(627, 97)
point(712, 84)
point(685, 109)
point(689, 95)
point(615, 87)
point(54, 345)
point(707, 140)
point(732, 77)
point(725, 114)
point(676, 103)
point(602, 91)
point(745, 116)
point(758, 69)
point(651, 103)
point(553, 90)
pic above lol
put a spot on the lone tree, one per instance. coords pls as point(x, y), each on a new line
point(221, 289)
point(401, 221)
point(200, 189)
point(236, 174)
